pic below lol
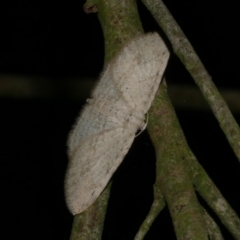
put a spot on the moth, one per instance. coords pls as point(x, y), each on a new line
point(105, 129)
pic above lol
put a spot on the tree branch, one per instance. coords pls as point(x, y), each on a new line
point(120, 22)
point(89, 224)
point(173, 174)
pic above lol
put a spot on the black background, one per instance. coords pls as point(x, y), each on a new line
point(58, 40)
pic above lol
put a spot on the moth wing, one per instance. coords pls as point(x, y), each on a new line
point(94, 118)
point(138, 69)
point(106, 86)
point(92, 165)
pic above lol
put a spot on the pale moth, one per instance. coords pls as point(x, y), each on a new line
point(105, 129)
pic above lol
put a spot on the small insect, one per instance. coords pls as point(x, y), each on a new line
point(106, 128)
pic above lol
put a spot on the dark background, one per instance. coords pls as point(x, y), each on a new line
point(59, 41)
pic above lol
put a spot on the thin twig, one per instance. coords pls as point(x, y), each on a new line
point(214, 233)
point(156, 208)
point(184, 50)
point(210, 193)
